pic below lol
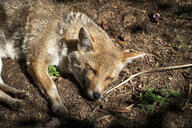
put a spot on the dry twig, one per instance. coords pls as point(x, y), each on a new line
point(149, 71)
point(104, 117)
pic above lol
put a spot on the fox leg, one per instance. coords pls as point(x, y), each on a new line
point(14, 103)
point(39, 73)
point(5, 98)
point(10, 90)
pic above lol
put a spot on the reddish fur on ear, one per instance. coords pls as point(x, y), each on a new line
point(129, 56)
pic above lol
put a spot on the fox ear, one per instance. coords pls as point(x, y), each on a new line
point(128, 57)
point(85, 40)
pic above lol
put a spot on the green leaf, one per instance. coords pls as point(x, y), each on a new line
point(57, 74)
point(141, 105)
point(167, 88)
point(158, 97)
point(167, 96)
point(148, 107)
point(140, 96)
point(176, 93)
point(150, 90)
point(152, 97)
point(52, 70)
point(51, 73)
point(161, 101)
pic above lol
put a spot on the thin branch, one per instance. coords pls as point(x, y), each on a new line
point(149, 71)
point(104, 117)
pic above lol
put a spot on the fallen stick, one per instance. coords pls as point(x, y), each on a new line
point(149, 71)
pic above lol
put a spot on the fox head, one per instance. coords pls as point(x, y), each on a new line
point(97, 62)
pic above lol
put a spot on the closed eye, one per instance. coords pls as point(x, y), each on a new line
point(109, 78)
point(92, 70)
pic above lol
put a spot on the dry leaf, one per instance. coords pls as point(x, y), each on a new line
point(121, 42)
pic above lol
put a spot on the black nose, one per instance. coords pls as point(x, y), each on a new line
point(96, 95)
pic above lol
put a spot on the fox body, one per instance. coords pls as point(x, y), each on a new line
point(44, 34)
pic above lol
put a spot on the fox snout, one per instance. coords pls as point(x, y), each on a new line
point(94, 94)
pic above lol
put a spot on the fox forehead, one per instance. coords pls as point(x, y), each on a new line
point(105, 62)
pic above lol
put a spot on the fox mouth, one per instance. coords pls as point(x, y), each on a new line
point(93, 95)
point(89, 91)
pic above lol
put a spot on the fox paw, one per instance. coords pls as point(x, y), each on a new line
point(60, 110)
point(16, 104)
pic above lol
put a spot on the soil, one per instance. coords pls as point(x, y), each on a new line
point(167, 40)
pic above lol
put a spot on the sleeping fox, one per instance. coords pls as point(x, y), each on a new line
point(44, 33)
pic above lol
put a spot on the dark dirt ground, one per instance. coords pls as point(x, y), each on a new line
point(167, 43)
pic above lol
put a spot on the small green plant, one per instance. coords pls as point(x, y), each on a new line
point(152, 97)
point(52, 70)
